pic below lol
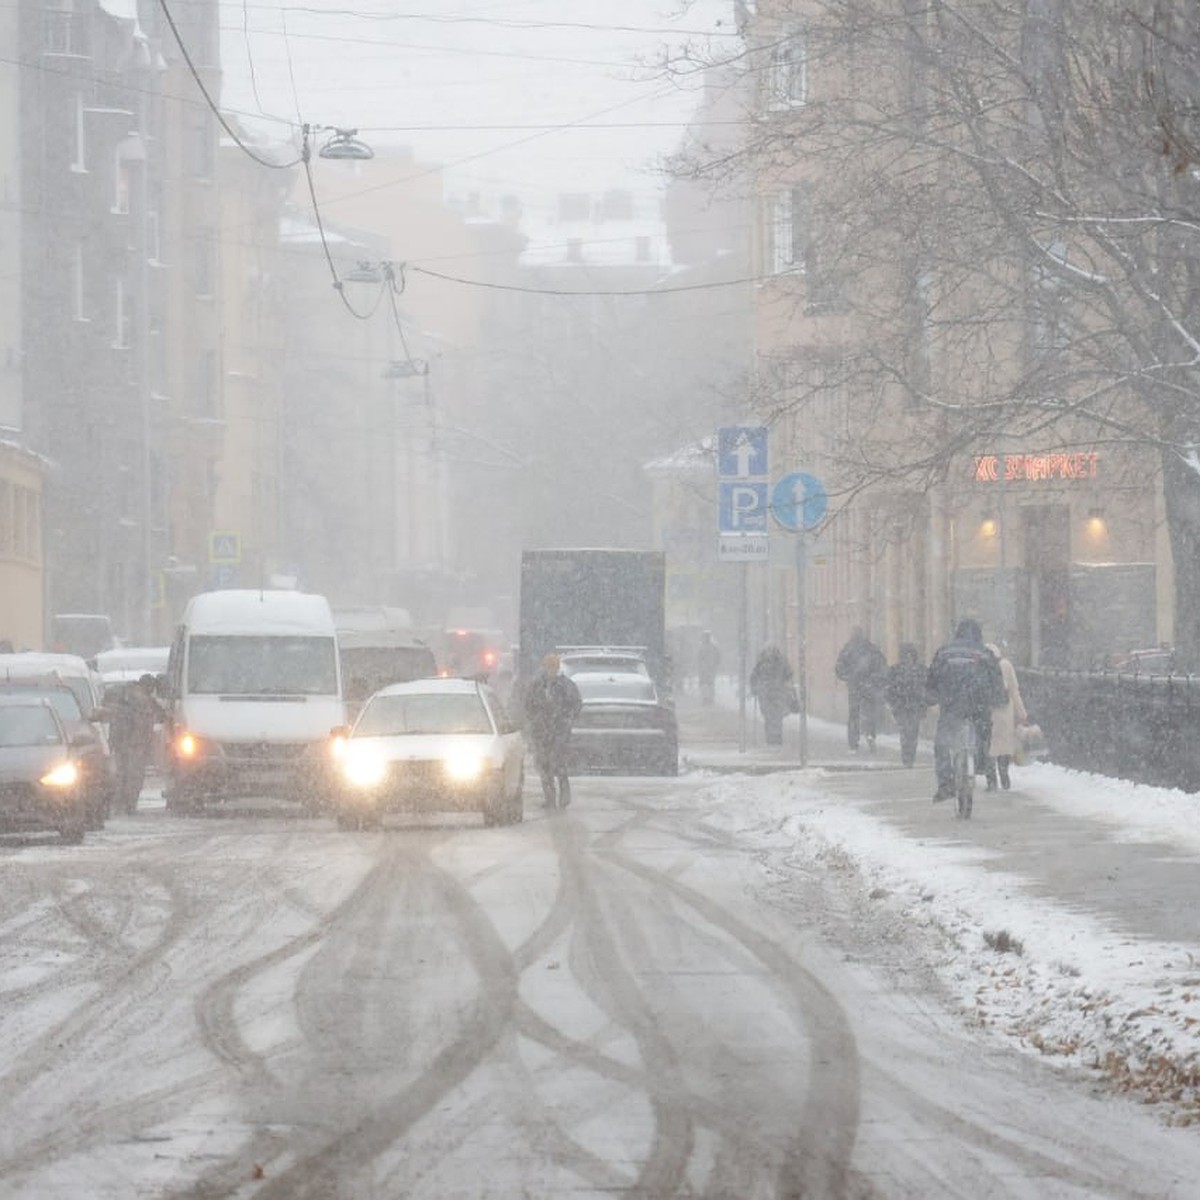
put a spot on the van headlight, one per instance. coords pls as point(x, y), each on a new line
point(362, 766)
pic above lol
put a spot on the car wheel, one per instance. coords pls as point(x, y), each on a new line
point(182, 801)
point(72, 833)
point(345, 821)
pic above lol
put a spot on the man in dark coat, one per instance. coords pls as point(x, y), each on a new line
point(131, 736)
point(552, 702)
point(771, 685)
point(862, 667)
point(906, 696)
point(965, 682)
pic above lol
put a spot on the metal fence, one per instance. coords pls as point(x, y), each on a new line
point(1140, 727)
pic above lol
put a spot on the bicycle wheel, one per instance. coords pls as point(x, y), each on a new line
point(964, 783)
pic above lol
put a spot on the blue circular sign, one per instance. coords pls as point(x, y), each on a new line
point(799, 500)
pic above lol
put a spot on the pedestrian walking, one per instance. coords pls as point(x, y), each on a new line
point(862, 667)
point(907, 698)
point(708, 659)
point(552, 702)
point(771, 686)
point(1005, 719)
point(965, 682)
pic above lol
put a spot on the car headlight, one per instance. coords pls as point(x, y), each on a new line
point(463, 766)
point(65, 775)
point(362, 767)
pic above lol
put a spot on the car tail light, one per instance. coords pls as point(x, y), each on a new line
point(489, 658)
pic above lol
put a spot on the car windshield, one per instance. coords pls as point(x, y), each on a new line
point(273, 665)
point(424, 712)
point(64, 700)
point(615, 687)
point(27, 725)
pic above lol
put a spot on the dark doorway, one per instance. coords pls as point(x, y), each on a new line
point(1047, 540)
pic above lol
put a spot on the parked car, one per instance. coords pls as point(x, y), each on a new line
point(621, 659)
point(625, 727)
point(86, 731)
point(75, 671)
point(42, 776)
point(431, 745)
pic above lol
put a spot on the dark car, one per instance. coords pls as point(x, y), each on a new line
point(89, 743)
point(41, 775)
point(626, 726)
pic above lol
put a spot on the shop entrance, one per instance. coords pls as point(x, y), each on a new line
point(1046, 537)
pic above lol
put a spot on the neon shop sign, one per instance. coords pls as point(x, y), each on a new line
point(1057, 467)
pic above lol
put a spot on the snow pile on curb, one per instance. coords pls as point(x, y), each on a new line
point(1056, 981)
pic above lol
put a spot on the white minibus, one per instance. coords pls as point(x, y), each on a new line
point(254, 688)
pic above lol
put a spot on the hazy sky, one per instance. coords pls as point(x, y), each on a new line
point(497, 90)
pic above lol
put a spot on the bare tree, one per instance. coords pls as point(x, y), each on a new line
point(1000, 199)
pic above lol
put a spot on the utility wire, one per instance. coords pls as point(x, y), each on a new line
point(191, 66)
point(535, 291)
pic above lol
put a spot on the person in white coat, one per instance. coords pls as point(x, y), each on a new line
point(1005, 720)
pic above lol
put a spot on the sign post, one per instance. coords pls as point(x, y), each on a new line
point(799, 503)
point(742, 529)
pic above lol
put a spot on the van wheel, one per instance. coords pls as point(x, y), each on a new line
point(347, 822)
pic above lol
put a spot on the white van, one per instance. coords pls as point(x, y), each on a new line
point(254, 688)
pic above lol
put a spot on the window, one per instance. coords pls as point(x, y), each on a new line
point(122, 316)
point(79, 284)
point(120, 184)
point(204, 248)
point(153, 241)
point(64, 31)
point(787, 76)
point(574, 206)
point(574, 250)
point(202, 148)
point(616, 205)
point(79, 163)
point(789, 231)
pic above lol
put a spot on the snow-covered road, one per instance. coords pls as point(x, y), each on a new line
point(651, 994)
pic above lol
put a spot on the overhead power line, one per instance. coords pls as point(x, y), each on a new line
point(537, 291)
point(191, 66)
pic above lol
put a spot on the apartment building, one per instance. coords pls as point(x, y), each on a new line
point(117, 292)
point(910, 351)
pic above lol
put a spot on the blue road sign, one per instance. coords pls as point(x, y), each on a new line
point(741, 451)
point(799, 501)
point(224, 575)
point(224, 546)
point(742, 507)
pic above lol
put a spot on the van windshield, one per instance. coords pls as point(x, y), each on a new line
point(274, 665)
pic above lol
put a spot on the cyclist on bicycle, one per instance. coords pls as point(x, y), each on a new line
point(965, 683)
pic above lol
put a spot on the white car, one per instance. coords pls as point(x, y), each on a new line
point(431, 745)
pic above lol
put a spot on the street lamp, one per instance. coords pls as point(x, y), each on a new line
point(344, 144)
